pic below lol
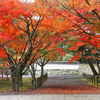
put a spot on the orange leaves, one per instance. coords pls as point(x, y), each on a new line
point(61, 51)
point(85, 25)
point(73, 48)
point(76, 57)
point(76, 46)
point(97, 27)
point(46, 40)
point(42, 30)
point(88, 57)
point(39, 4)
point(23, 21)
point(94, 51)
point(61, 32)
point(3, 53)
point(80, 44)
point(48, 23)
point(18, 45)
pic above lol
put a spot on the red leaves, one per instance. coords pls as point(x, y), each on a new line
point(63, 53)
point(61, 32)
point(66, 86)
point(80, 44)
point(59, 13)
point(72, 48)
point(81, 21)
point(3, 53)
point(88, 57)
point(76, 57)
point(94, 51)
point(68, 90)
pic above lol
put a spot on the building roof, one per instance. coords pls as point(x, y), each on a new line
point(62, 62)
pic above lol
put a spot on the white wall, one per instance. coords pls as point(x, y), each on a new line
point(59, 66)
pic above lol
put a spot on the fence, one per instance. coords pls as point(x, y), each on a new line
point(92, 78)
point(87, 76)
point(39, 81)
point(44, 78)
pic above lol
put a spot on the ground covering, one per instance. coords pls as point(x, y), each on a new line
point(57, 86)
point(68, 86)
point(6, 85)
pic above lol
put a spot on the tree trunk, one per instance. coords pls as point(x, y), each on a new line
point(20, 80)
point(2, 72)
point(42, 73)
point(60, 57)
point(32, 71)
point(33, 75)
point(15, 79)
point(97, 63)
point(92, 67)
point(7, 75)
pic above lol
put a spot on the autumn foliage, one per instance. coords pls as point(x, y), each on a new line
point(40, 25)
point(81, 19)
point(27, 32)
point(24, 24)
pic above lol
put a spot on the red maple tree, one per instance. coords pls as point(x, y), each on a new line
point(26, 30)
point(81, 19)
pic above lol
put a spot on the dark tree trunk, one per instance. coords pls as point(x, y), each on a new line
point(61, 58)
point(7, 75)
point(42, 71)
point(20, 80)
point(15, 84)
point(2, 73)
point(32, 72)
point(92, 67)
point(97, 63)
point(15, 80)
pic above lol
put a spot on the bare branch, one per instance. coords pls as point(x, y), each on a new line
point(66, 8)
point(96, 14)
point(87, 2)
point(80, 15)
point(40, 19)
point(10, 58)
point(23, 52)
point(22, 29)
point(79, 27)
point(23, 19)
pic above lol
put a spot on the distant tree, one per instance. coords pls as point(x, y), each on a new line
point(42, 62)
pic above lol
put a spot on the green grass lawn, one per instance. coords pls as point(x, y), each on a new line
point(7, 86)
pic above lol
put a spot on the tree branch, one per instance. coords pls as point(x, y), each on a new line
point(96, 14)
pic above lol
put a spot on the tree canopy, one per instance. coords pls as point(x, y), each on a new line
point(81, 20)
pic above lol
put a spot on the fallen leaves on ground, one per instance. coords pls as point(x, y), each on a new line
point(53, 86)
